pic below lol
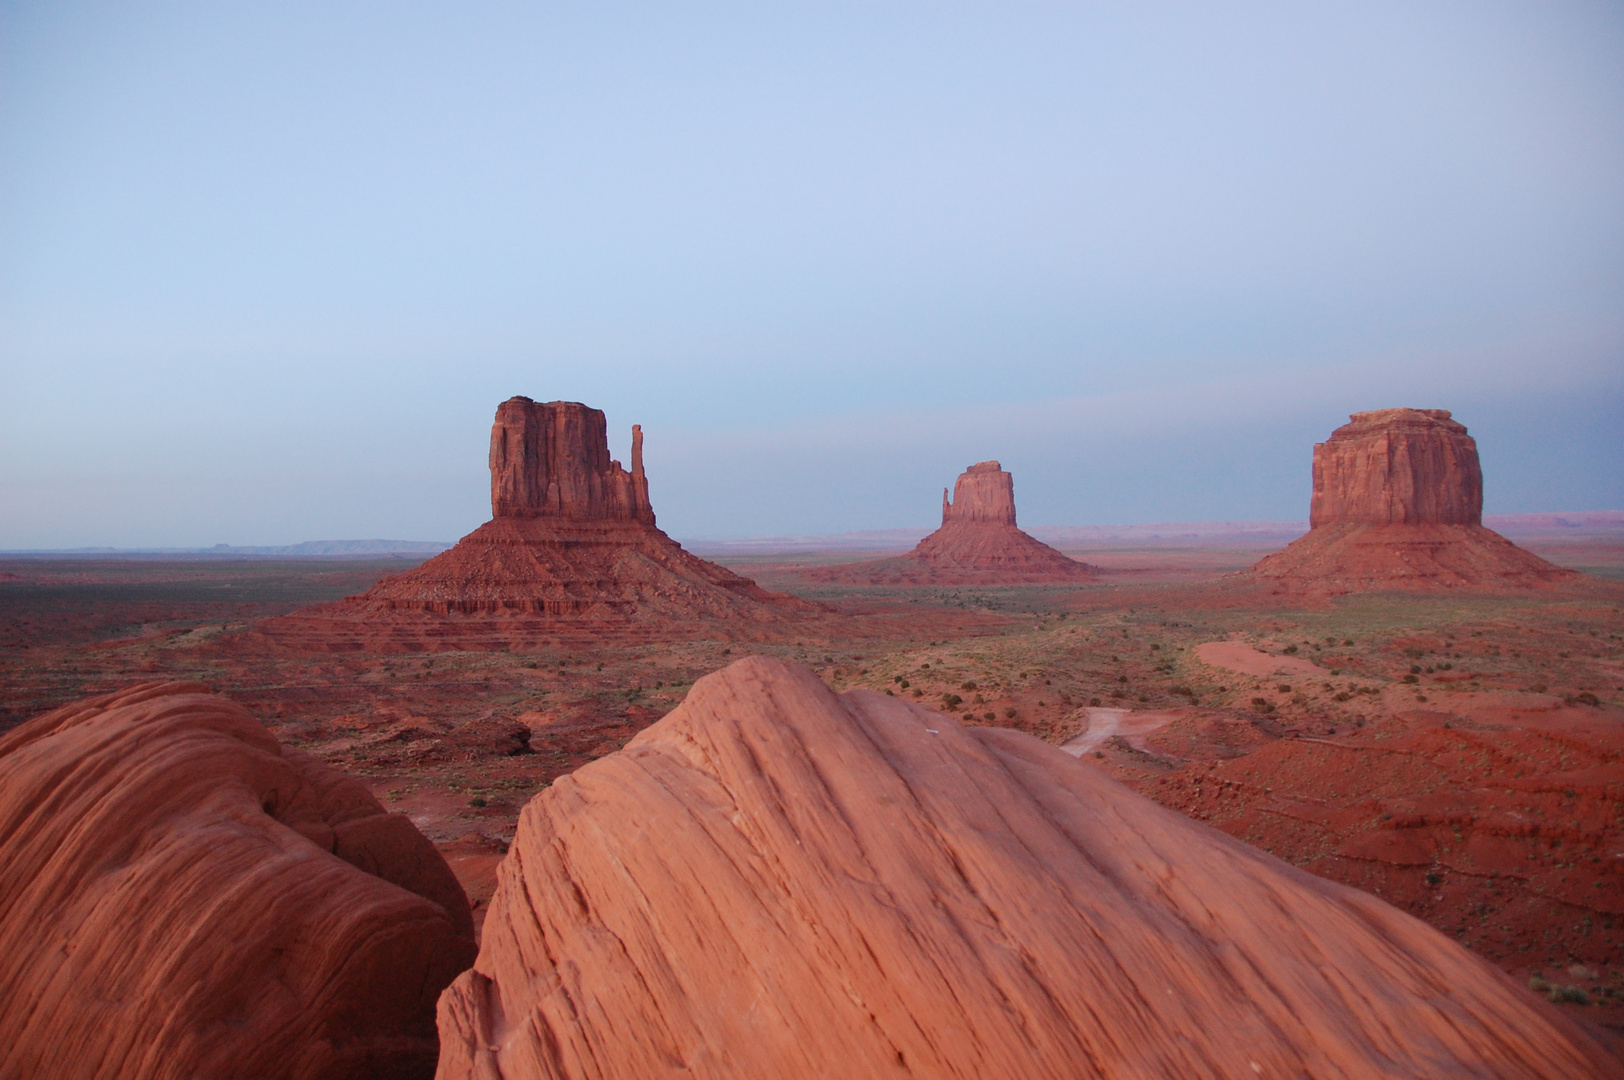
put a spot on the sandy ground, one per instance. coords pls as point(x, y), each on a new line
point(1462, 757)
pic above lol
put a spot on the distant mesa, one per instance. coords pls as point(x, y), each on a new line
point(571, 546)
point(1398, 504)
point(978, 544)
point(184, 897)
point(778, 881)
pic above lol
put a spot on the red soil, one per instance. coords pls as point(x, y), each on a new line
point(1337, 559)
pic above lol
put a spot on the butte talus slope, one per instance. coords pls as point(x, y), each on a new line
point(1398, 504)
point(777, 881)
point(571, 547)
point(978, 544)
point(182, 897)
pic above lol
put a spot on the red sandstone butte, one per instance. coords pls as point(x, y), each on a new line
point(1398, 504)
point(978, 544)
point(571, 547)
point(183, 897)
point(776, 881)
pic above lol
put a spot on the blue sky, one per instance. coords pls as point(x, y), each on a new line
point(266, 270)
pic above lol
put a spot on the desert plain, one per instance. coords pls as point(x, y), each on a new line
point(1459, 756)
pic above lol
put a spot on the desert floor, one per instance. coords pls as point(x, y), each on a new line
point(1460, 756)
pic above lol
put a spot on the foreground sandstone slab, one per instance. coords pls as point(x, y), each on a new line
point(182, 897)
point(778, 881)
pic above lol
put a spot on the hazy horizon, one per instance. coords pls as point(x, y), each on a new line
point(266, 271)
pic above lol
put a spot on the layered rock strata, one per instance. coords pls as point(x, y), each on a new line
point(778, 881)
point(183, 897)
point(571, 547)
point(552, 460)
point(1398, 504)
point(977, 544)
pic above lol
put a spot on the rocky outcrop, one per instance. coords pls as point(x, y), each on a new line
point(777, 881)
point(571, 548)
point(183, 897)
point(983, 492)
point(1397, 467)
point(552, 460)
point(978, 544)
point(1398, 504)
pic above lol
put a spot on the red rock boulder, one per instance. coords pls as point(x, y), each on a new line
point(183, 897)
point(776, 881)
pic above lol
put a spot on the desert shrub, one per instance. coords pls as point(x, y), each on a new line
point(1433, 879)
point(1263, 705)
point(1587, 698)
point(477, 801)
point(988, 716)
point(1347, 641)
point(1122, 678)
point(967, 686)
point(1285, 688)
point(1538, 688)
point(952, 701)
point(1574, 994)
point(904, 683)
point(1415, 669)
point(1094, 701)
point(1412, 679)
point(1183, 691)
point(1290, 649)
point(1009, 713)
point(1343, 696)
point(918, 692)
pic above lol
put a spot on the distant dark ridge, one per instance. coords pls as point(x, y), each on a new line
point(309, 549)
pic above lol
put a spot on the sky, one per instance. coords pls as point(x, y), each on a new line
point(266, 270)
